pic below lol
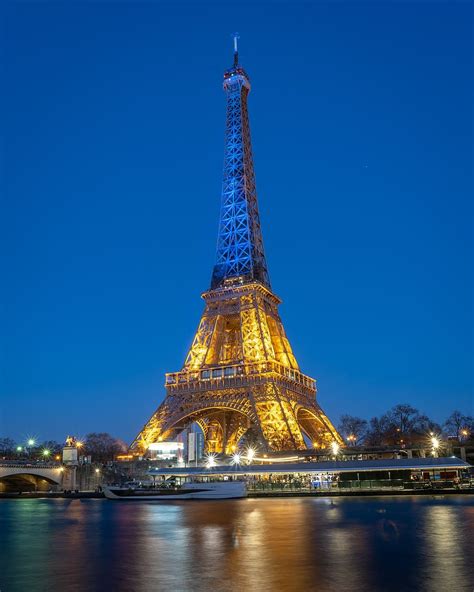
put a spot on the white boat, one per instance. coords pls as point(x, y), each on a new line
point(194, 490)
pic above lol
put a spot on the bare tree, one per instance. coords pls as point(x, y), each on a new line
point(7, 446)
point(103, 447)
point(380, 432)
point(401, 425)
point(404, 418)
point(353, 429)
point(459, 425)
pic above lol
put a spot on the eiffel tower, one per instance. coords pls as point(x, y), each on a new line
point(240, 372)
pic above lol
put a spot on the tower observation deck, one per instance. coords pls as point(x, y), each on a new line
point(240, 371)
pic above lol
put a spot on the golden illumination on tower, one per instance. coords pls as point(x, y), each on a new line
point(240, 371)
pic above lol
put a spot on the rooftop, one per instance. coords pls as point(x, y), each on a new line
point(392, 464)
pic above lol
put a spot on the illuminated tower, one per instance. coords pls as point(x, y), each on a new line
point(240, 372)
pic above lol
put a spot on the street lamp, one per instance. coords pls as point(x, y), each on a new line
point(31, 442)
point(435, 445)
point(236, 459)
point(250, 454)
point(210, 460)
point(335, 448)
point(46, 452)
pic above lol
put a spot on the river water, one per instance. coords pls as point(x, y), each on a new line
point(331, 544)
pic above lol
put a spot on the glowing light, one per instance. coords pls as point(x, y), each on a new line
point(464, 432)
point(250, 453)
point(435, 442)
point(31, 442)
point(97, 470)
point(79, 444)
point(46, 452)
point(19, 448)
point(236, 459)
point(210, 460)
point(335, 448)
point(57, 457)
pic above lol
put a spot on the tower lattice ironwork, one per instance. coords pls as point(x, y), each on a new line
point(240, 371)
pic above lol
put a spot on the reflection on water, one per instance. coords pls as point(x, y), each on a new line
point(343, 544)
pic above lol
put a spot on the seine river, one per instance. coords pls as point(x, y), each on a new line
point(331, 544)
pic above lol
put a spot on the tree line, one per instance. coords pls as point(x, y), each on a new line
point(100, 446)
point(404, 425)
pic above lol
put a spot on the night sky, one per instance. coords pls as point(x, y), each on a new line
point(112, 163)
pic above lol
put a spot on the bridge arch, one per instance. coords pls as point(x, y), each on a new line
point(222, 425)
point(29, 478)
point(315, 428)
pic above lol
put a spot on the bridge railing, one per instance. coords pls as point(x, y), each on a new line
point(28, 465)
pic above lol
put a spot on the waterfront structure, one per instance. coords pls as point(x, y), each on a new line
point(240, 371)
point(335, 476)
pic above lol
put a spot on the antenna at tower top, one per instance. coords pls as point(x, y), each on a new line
point(236, 36)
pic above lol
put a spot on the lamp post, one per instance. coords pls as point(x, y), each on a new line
point(435, 445)
point(30, 444)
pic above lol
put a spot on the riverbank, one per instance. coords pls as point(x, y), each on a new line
point(52, 495)
point(368, 493)
point(260, 494)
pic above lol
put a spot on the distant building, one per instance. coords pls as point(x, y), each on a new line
point(166, 451)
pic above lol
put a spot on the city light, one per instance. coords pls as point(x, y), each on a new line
point(335, 448)
point(19, 448)
point(79, 444)
point(210, 460)
point(250, 454)
point(97, 470)
point(236, 459)
point(46, 452)
point(435, 442)
point(31, 442)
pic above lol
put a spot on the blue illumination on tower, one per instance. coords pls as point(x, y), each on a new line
point(240, 252)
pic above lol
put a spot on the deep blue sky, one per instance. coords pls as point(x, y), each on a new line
point(362, 132)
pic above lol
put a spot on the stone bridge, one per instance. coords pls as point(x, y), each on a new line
point(23, 476)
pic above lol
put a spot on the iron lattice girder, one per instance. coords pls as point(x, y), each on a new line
point(271, 394)
point(240, 370)
point(240, 250)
